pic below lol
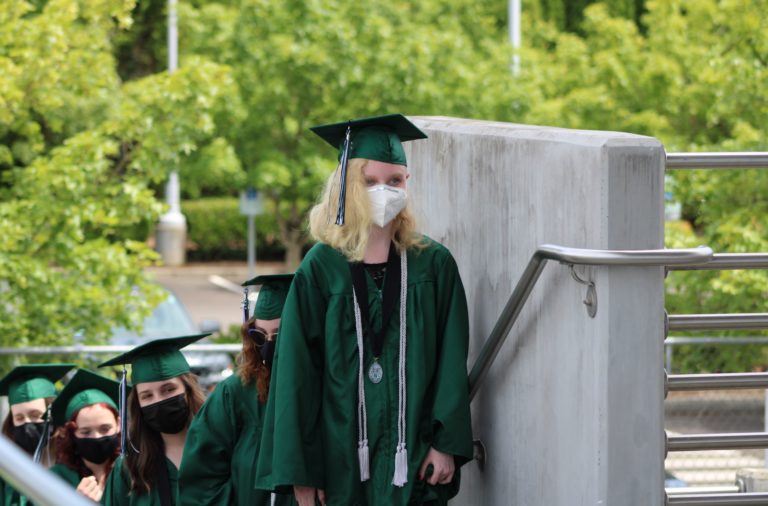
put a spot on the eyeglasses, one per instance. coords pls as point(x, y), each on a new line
point(260, 337)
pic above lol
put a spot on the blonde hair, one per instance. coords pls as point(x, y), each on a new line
point(351, 239)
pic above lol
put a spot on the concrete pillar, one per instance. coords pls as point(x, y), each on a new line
point(752, 479)
point(571, 412)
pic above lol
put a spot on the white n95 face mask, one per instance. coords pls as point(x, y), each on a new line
point(386, 203)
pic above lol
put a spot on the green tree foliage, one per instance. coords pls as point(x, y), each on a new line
point(79, 151)
point(695, 79)
point(568, 15)
point(302, 63)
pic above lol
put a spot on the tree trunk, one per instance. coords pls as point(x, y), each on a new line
point(292, 236)
point(293, 254)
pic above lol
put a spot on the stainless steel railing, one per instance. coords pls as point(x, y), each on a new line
point(574, 256)
point(33, 480)
point(743, 160)
point(728, 441)
point(109, 349)
point(731, 321)
point(672, 341)
point(687, 382)
point(706, 322)
point(723, 261)
point(738, 499)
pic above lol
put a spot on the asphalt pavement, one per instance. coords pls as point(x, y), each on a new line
point(211, 291)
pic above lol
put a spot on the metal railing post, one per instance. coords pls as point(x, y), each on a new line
point(33, 480)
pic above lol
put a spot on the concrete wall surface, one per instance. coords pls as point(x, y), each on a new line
point(571, 412)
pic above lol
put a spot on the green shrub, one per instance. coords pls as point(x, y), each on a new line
point(217, 231)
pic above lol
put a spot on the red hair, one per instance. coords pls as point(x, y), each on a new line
point(64, 440)
point(249, 365)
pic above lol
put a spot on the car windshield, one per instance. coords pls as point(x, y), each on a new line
point(169, 319)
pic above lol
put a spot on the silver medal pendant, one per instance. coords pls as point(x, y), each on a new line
point(375, 373)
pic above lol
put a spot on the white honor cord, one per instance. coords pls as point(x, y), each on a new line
point(362, 416)
point(400, 477)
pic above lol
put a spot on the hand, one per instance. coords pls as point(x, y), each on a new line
point(305, 496)
point(91, 488)
point(443, 467)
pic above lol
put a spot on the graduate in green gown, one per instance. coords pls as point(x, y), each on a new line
point(30, 390)
point(219, 463)
point(369, 400)
point(87, 438)
point(164, 399)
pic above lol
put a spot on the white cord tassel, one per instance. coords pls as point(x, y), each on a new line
point(362, 416)
point(401, 457)
point(363, 458)
point(401, 466)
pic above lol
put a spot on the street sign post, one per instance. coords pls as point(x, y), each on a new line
point(251, 205)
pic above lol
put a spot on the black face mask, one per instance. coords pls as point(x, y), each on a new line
point(96, 449)
point(28, 435)
point(267, 352)
point(169, 416)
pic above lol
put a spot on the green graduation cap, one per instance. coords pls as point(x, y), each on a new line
point(84, 389)
point(156, 360)
point(377, 138)
point(274, 290)
point(33, 381)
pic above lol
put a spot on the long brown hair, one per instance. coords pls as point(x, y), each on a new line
point(64, 441)
point(146, 450)
point(249, 365)
point(8, 427)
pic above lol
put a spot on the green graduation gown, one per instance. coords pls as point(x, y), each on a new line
point(311, 430)
point(9, 496)
point(117, 491)
point(221, 450)
point(69, 475)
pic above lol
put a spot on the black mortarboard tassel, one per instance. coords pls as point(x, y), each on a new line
point(343, 178)
point(123, 410)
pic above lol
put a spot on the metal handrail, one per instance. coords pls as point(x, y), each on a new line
point(576, 256)
point(686, 382)
point(728, 261)
point(33, 480)
point(672, 341)
point(678, 340)
point(699, 490)
point(109, 349)
point(718, 321)
point(753, 499)
point(736, 160)
point(729, 441)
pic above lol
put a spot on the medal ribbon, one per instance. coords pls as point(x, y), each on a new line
point(390, 294)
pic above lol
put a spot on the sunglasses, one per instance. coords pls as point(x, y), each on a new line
point(260, 337)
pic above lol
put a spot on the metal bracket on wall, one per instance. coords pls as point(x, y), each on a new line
point(590, 299)
point(478, 453)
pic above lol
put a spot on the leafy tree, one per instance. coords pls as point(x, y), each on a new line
point(78, 152)
point(695, 80)
point(302, 63)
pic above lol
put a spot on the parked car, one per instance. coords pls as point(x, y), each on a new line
point(169, 319)
point(672, 481)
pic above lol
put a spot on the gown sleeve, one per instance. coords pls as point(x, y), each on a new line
point(66, 474)
point(116, 486)
point(291, 444)
point(205, 474)
point(451, 424)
